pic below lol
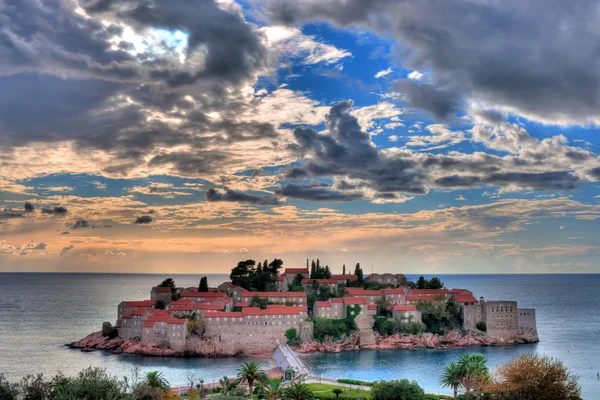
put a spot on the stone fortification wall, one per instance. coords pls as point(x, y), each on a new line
point(526, 318)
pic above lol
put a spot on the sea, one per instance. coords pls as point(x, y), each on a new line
point(40, 313)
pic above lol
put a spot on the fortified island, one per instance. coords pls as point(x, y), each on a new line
point(311, 310)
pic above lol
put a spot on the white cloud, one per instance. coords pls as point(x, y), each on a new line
point(562, 227)
point(393, 138)
point(460, 197)
point(415, 76)
point(99, 185)
point(367, 115)
point(58, 189)
point(383, 73)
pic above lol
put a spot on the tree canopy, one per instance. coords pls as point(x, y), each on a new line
point(203, 287)
point(254, 277)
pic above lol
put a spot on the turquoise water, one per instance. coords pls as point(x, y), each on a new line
point(39, 313)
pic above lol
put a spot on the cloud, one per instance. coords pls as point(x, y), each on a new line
point(317, 193)
point(440, 104)
point(10, 250)
point(66, 249)
point(144, 219)
point(99, 185)
point(415, 76)
point(383, 73)
point(165, 190)
point(393, 138)
point(59, 189)
point(59, 210)
point(235, 196)
point(80, 223)
point(460, 197)
point(546, 77)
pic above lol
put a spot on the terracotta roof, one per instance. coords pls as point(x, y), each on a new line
point(159, 318)
point(147, 324)
point(140, 303)
point(241, 304)
point(461, 291)
point(394, 291)
point(296, 271)
point(274, 294)
point(405, 308)
point(207, 307)
point(161, 289)
point(139, 311)
point(177, 321)
point(320, 281)
point(335, 300)
point(424, 297)
point(291, 310)
point(154, 311)
point(355, 300)
point(372, 307)
point(465, 298)
point(182, 301)
point(344, 277)
point(322, 304)
point(362, 292)
point(126, 315)
point(204, 294)
point(372, 275)
point(223, 314)
point(183, 307)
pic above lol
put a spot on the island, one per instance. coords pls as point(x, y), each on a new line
point(311, 310)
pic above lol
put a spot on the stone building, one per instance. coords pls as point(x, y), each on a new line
point(526, 319)
point(233, 291)
point(344, 278)
point(394, 296)
point(207, 297)
point(332, 284)
point(299, 298)
point(281, 283)
point(164, 331)
point(406, 312)
point(372, 296)
point(161, 293)
point(387, 279)
point(129, 306)
point(291, 273)
point(501, 317)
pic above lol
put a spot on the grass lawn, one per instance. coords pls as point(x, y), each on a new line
point(325, 391)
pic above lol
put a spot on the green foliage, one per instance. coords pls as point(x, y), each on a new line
point(203, 287)
point(161, 304)
point(482, 326)
point(298, 391)
point(90, 384)
point(397, 390)
point(259, 302)
point(433, 283)
point(156, 380)
point(292, 336)
point(353, 311)
point(358, 272)
point(297, 281)
point(440, 316)
point(354, 382)
point(390, 326)
point(256, 278)
point(35, 387)
point(452, 377)
point(250, 372)
point(8, 391)
point(333, 328)
point(317, 271)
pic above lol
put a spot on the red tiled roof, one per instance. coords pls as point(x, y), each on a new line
point(372, 307)
point(355, 300)
point(139, 311)
point(465, 298)
point(241, 304)
point(394, 291)
point(154, 311)
point(161, 289)
point(405, 308)
point(344, 277)
point(159, 318)
point(223, 314)
point(291, 310)
point(147, 324)
point(362, 292)
point(296, 271)
point(424, 297)
point(183, 307)
point(140, 303)
point(335, 300)
point(126, 315)
point(177, 321)
point(182, 301)
point(320, 281)
point(274, 294)
point(461, 291)
point(322, 304)
point(204, 294)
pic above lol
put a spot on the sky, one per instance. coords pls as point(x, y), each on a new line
point(181, 136)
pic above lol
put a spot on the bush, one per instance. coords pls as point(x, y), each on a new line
point(8, 391)
point(333, 328)
point(397, 390)
point(292, 336)
point(389, 326)
point(354, 382)
point(482, 326)
point(90, 384)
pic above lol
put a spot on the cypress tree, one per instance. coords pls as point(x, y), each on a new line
point(344, 269)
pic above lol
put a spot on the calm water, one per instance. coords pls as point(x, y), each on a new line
point(41, 312)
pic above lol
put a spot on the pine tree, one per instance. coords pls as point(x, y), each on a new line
point(344, 269)
point(313, 269)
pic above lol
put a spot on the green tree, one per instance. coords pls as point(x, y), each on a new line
point(203, 287)
point(397, 390)
point(358, 272)
point(34, 387)
point(8, 391)
point(474, 373)
point(452, 377)
point(527, 376)
point(260, 302)
point(169, 282)
point(434, 283)
point(421, 283)
point(91, 384)
point(298, 391)
point(250, 372)
point(344, 269)
point(292, 335)
point(273, 389)
point(337, 392)
point(156, 380)
point(241, 274)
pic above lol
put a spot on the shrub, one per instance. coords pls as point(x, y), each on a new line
point(482, 326)
point(90, 384)
point(292, 336)
point(389, 326)
point(333, 328)
point(354, 382)
point(397, 390)
point(8, 391)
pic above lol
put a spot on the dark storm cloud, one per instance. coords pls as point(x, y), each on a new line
point(144, 219)
point(235, 196)
point(442, 105)
point(535, 57)
point(347, 154)
point(317, 193)
point(55, 211)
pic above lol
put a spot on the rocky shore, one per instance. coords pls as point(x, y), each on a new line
point(452, 339)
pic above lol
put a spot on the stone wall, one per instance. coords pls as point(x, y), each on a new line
point(526, 318)
point(500, 317)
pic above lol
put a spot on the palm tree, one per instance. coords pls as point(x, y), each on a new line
point(156, 380)
point(224, 383)
point(250, 372)
point(451, 377)
point(337, 392)
point(473, 371)
point(298, 391)
point(273, 389)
